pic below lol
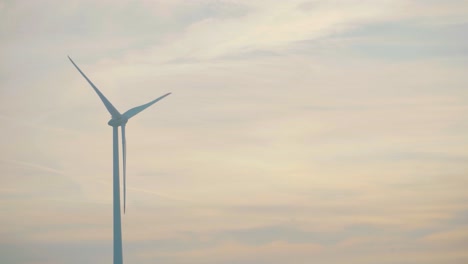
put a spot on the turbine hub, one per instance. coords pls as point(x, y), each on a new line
point(118, 121)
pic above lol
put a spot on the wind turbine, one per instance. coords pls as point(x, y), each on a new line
point(117, 120)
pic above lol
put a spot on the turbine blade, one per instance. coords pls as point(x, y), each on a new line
point(124, 153)
point(132, 112)
point(109, 106)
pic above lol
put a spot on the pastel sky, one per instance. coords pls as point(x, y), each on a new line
point(326, 131)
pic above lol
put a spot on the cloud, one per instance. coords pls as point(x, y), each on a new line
point(309, 131)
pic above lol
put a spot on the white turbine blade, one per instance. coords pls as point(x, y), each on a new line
point(140, 108)
point(124, 153)
point(109, 106)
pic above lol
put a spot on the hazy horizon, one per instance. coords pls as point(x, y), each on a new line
point(296, 132)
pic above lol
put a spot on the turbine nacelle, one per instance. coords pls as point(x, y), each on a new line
point(118, 121)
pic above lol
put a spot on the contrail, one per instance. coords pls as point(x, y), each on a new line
point(165, 196)
point(37, 125)
point(158, 194)
point(33, 165)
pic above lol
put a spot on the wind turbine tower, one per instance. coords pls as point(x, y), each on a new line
point(118, 120)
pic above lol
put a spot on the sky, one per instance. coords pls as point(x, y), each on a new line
point(326, 131)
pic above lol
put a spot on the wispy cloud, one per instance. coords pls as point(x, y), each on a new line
point(298, 131)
